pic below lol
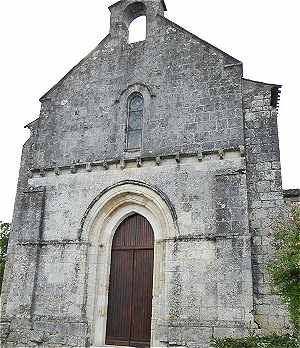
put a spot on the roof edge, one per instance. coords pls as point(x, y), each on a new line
point(45, 96)
point(237, 61)
point(28, 125)
point(263, 83)
point(118, 2)
point(275, 91)
point(291, 193)
point(114, 5)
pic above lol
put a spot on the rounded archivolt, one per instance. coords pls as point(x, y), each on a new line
point(141, 87)
point(133, 11)
point(130, 190)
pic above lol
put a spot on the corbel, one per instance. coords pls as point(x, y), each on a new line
point(221, 154)
point(30, 173)
point(242, 150)
point(88, 167)
point(105, 165)
point(157, 160)
point(122, 164)
point(139, 162)
point(73, 168)
point(200, 156)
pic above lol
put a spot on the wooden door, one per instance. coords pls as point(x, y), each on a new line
point(131, 283)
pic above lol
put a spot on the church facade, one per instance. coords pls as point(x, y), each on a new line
point(146, 199)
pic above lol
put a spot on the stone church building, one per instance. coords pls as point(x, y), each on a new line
point(146, 199)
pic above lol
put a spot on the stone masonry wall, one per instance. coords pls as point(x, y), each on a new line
point(266, 204)
point(195, 100)
point(205, 265)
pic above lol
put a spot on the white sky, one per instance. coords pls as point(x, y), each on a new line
point(41, 40)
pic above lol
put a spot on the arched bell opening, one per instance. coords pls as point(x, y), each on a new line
point(125, 15)
point(136, 20)
point(137, 30)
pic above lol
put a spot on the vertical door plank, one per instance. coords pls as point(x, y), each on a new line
point(120, 294)
point(131, 284)
point(142, 297)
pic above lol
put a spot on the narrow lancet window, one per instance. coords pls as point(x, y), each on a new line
point(135, 121)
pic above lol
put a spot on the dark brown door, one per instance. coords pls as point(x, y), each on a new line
point(131, 283)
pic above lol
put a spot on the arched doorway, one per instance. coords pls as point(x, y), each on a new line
point(100, 222)
point(131, 284)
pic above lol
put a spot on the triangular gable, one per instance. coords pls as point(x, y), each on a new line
point(46, 95)
point(228, 60)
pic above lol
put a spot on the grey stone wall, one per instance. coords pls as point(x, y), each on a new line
point(206, 264)
point(266, 204)
point(195, 99)
point(201, 118)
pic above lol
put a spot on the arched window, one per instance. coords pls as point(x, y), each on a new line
point(135, 122)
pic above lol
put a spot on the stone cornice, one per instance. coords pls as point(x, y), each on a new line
point(122, 163)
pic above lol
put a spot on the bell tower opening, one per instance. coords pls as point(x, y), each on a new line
point(138, 30)
point(133, 21)
point(136, 18)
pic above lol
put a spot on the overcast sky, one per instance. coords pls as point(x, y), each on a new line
point(41, 40)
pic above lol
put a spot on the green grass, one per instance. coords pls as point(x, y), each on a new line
point(273, 341)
